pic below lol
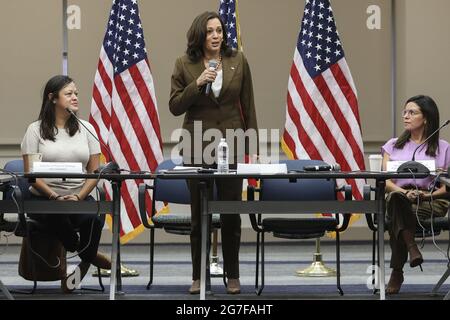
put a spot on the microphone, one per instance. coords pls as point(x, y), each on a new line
point(414, 166)
point(327, 167)
point(110, 167)
point(212, 64)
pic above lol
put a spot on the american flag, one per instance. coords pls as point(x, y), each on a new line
point(322, 117)
point(229, 14)
point(123, 109)
point(228, 11)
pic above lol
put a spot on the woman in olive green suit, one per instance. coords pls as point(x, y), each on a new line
point(227, 104)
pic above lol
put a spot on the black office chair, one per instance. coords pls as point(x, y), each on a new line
point(296, 228)
point(38, 239)
point(432, 226)
point(173, 191)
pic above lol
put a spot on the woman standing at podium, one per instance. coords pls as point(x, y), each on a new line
point(58, 137)
point(411, 200)
point(212, 85)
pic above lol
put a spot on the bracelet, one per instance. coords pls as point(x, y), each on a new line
point(54, 196)
point(78, 197)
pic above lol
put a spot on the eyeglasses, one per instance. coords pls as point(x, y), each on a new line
point(411, 113)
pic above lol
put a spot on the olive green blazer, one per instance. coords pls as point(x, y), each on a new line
point(234, 108)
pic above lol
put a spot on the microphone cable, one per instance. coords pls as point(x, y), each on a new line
point(422, 242)
point(97, 214)
point(431, 188)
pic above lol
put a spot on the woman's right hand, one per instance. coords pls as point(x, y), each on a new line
point(412, 195)
point(209, 75)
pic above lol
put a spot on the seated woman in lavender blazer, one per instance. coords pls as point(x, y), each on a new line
point(411, 200)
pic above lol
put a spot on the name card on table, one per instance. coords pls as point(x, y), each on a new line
point(272, 168)
point(57, 167)
point(392, 166)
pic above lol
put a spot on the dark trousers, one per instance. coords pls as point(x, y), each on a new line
point(65, 227)
point(227, 189)
point(401, 214)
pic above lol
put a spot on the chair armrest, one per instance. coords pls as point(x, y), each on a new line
point(142, 207)
point(347, 189)
point(366, 195)
point(345, 223)
point(251, 197)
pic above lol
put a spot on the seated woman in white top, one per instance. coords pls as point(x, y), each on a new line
point(58, 136)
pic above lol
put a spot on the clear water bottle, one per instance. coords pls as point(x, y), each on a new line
point(222, 157)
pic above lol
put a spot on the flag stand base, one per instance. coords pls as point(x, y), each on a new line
point(124, 272)
point(317, 268)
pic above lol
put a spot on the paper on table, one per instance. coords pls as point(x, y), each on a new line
point(185, 168)
point(392, 166)
point(57, 167)
point(273, 168)
point(181, 169)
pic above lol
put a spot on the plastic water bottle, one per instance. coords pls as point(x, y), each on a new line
point(222, 157)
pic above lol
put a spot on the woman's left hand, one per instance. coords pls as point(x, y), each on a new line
point(424, 196)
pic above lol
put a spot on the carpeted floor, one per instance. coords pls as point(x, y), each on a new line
point(172, 275)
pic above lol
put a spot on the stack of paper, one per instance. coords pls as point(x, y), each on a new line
point(275, 168)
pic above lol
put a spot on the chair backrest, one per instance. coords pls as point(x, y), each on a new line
point(299, 189)
point(171, 190)
point(16, 166)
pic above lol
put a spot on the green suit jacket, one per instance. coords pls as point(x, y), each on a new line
point(234, 108)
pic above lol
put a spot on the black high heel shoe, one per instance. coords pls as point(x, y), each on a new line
point(415, 257)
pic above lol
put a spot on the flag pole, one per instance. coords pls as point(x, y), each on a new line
point(65, 51)
point(393, 68)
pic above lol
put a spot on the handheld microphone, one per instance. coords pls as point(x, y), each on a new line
point(212, 64)
point(110, 167)
point(414, 166)
point(322, 168)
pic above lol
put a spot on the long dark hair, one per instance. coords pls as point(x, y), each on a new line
point(196, 36)
point(430, 112)
point(48, 128)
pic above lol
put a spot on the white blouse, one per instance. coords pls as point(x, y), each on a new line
point(217, 84)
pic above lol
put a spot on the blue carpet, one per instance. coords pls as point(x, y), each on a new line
point(246, 289)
